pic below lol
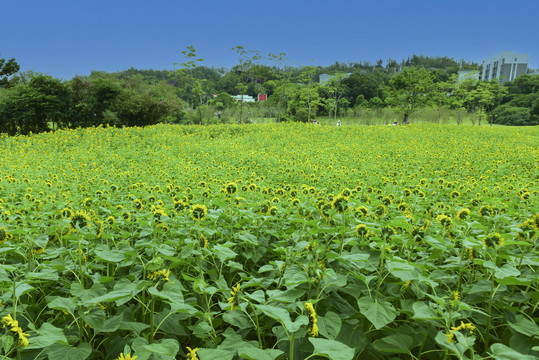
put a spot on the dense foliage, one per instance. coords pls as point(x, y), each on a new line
point(282, 241)
point(195, 94)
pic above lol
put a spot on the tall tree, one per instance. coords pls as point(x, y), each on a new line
point(283, 78)
point(7, 68)
point(247, 59)
point(409, 89)
point(335, 89)
point(193, 87)
point(309, 92)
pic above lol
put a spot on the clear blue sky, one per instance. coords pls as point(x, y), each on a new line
point(67, 38)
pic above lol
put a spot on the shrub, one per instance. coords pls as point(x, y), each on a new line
point(512, 115)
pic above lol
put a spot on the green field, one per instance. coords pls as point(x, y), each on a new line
point(276, 241)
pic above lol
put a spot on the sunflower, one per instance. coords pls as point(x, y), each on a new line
point(180, 205)
point(313, 327)
point(126, 357)
point(231, 188)
point(361, 230)
point(264, 208)
point(80, 219)
point(324, 209)
point(138, 204)
point(380, 210)
point(162, 274)
point(463, 327)
point(485, 210)
point(233, 300)
point(67, 213)
point(361, 211)
point(198, 212)
point(463, 214)
point(4, 235)
point(158, 213)
point(527, 229)
point(444, 220)
point(387, 231)
point(339, 203)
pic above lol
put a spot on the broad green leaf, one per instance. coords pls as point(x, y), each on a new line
point(215, 354)
point(40, 241)
point(259, 354)
point(394, 344)
point(23, 288)
point(84, 295)
point(66, 352)
point(64, 304)
point(4, 275)
point(329, 325)
point(378, 313)
point(283, 316)
point(95, 317)
point(423, 311)
point(172, 293)
point(525, 326)
point(247, 238)
point(223, 253)
point(257, 296)
point(123, 290)
point(504, 352)
point(505, 271)
point(334, 349)
point(48, 335)
point(45, 274)
point(331, 278)
point(103, 252)
point(133, 326)
point(238, 319)
point(287, 296)
point(202, 329)
point(166, 347)
point(295, 275)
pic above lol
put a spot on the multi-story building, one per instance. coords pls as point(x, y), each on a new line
point(505, 66)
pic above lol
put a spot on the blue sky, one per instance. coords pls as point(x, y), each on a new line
point(67, 38)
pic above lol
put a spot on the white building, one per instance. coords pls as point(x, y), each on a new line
point(468, 74)
point(324, 78)
point(243, 98)
point(507, 64)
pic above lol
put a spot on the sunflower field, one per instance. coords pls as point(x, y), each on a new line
point(278, 241)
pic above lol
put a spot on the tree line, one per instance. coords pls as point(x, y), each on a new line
point(196, 94)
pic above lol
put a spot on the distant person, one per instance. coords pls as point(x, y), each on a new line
point(315, 122)
point(339, 123)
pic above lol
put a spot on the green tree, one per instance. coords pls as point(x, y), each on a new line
point(223, 101)
point(439, 96)
point(40, 105)
point(247, 60)
point(534, 112)
point(193, 88)
point(7, 68)
point(409, 90)
point(282, 80)
point(309, 93)
point(334, 89)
